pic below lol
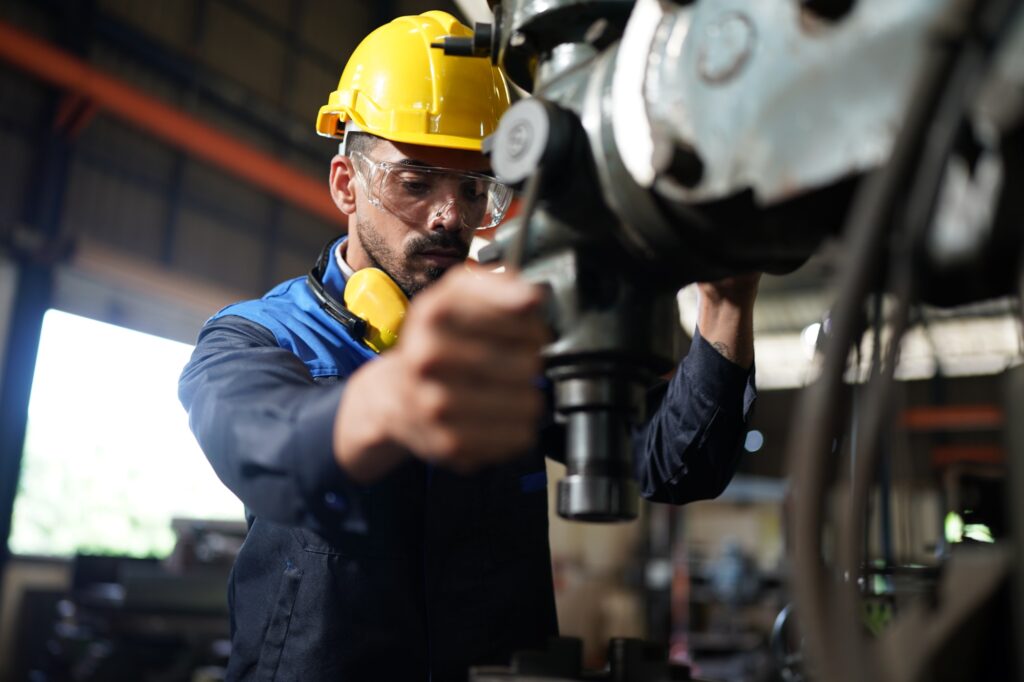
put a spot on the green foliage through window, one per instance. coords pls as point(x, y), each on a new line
point(109, 459)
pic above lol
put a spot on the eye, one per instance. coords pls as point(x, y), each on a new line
point(417, 187)
point(414, 183)
point(473, 190)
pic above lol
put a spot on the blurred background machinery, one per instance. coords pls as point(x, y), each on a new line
point(127, 618)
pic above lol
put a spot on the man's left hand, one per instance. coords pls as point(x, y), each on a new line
point(726, 317)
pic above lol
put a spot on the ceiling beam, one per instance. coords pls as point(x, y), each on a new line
point(165, 122)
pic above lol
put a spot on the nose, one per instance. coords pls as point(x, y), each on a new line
point(447, 216)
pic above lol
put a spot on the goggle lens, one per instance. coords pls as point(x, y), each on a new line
point(419, 194)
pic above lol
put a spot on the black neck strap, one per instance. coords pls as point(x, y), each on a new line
point(330, 305)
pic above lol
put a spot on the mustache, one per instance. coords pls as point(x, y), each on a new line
point(437, 240)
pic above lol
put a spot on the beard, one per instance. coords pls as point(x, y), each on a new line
point(398, 264)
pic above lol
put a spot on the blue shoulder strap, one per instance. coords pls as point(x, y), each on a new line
point(293, 315)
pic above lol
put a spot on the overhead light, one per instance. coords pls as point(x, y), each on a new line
point(754, 441)
point(954, 527)
point(809, 338)
point(978, 532)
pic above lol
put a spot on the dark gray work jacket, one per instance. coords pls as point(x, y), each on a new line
point(425, 572)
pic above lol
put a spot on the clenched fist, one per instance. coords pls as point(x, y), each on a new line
point(459, 387)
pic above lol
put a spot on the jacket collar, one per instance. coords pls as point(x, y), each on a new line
point(334, 278)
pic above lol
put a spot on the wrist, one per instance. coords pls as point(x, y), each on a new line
point(363, 444)
point(717, 316)
point(729, 329)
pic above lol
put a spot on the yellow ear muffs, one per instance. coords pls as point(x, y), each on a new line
point(373, 296)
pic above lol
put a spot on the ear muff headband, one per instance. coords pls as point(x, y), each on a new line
point(374, 305)
point(330, 305)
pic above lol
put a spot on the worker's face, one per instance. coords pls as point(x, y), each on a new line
point(414, 242)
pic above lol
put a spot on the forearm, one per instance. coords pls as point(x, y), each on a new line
point(266, 426)
point(362, 442)
point(690, 447)
point(726, 317)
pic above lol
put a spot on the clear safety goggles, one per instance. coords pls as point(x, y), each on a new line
point(418, 194)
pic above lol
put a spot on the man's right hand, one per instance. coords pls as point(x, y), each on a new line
point(459, 387)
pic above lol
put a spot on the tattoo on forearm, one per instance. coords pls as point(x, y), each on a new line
point(724, 351)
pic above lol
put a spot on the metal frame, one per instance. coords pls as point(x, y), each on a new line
point(34, 289)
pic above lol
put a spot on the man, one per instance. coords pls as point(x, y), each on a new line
point(397, 507)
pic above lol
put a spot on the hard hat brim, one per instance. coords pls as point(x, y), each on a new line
point(330, 121)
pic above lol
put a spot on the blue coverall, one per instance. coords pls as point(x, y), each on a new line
point(424, 573)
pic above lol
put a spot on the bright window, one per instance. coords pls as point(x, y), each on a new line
point(109, 459)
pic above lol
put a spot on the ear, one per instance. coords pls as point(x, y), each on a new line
point(343, 184)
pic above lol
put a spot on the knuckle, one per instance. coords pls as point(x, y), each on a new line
point(429, 310)
point(427, 356)
point(436, 404)
point(442, 446)
point(433, 312)
point(450, 447)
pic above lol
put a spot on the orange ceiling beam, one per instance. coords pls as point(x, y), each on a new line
point(953, 418)
point(947, 455)
point(168, 123)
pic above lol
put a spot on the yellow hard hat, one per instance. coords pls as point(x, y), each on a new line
point(398, 87)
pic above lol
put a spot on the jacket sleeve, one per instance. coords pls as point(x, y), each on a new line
point(266, 426)
point(691, 444)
